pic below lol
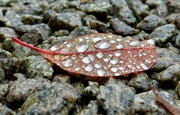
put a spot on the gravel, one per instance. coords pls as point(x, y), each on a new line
point(30, 84)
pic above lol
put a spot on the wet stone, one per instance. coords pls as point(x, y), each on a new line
point(21, 89)
point(90, 109)
point(48, 15)
point(160, 7)
point(3, 90)
point(141, 82)
point(165, 59)
point(61, 78)
point(123, 12)
point(6, 32)
point(177, 40)
point(36, 66)
point(145, 103)
point(171, 74)
point(2, 74)
point(116, 99)
point(33, 37)
point(173, 6)
point(150, 22)
point(101, 8)
point(163, 34)
point(6, 111)
point(177, 21)
point(140, 9)
point(92, 89)
point(31, 19)
point(54, 98)
point(65, 21)
point(122, 28)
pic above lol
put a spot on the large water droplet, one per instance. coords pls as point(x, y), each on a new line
point(86, 60)
point(134, 43)
point(67, 63)
point(119, 46)
point(91, 57)
point(102, 44)
point(99, 55)
point(144, 66)
point(100, 72)
point(89, 68)
point(114, 61)
point(114, 69)
point(150, 42)
point(97, 65)
point(97, 38)
point(81, 47)
point(117, 53)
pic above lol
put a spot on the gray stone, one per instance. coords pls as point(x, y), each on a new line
point(6, 32)
point(122, 28)
point(150, 22)
point(36, 66)
point(2, 74)
point(21, 89)
point(145, 103)
point(31, 19)
point(177, 95)
point(160, 7)
point(3, 90)
point(171, 74)
point(139, 9)
point(141, 82)
point(91, 109)
point(163, 34)
point(91, 90)
point(5, 110)
point(173, 6)
point(116, 99)
point(123, 12)
point(51, 98)
point(67, 21)
point(177, 40)
point(177, 21)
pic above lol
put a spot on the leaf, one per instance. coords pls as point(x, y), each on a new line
point(101, 55)
point(169, 107)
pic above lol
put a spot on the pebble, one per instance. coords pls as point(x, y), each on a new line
point(150, 22)
point(65, 21)
point(122, 28)
point(163, 34)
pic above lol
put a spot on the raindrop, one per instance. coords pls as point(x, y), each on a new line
point(117, 74)
point(97, 65)
point(114, 61)
point(134, 43)
point(89, 68)
point(118, 39)
point(121, 68)
point(147, 60)
point(69, 45)
point(129, 66)
point(102, 44)
point(53, 48)
point(119, 46)
point(114, 69)
point(117, 53)
point(56, 57)
point(100, 72)
point(144, 66)
point(73, 56)
point(138, 67)
point(150, 42)
point(97, 38)
point(91, 57)
point(106, 59)
point(80, 39)
point(99, 55)
point(67, 63)
point(86, 60)
point(81, 47)
point(112, 41)
point(77, 69)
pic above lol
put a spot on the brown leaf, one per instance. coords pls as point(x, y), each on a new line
point(101, 55)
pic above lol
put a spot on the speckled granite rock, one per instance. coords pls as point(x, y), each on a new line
point(92, 90)
point(36, 66)
point(3, 91)
point(122, 28)
point(31, 19)
point(145, 103)
point(65, 21)
point(2, 74)
point(141, 82)
point(4, 110)
point(150, 22)
point(52, 98)
point(116, 99)
point(163, 34)
point(7, 32)
point(177, 40)
point(173, 6)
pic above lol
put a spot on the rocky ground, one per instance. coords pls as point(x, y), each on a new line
point(30, 84)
